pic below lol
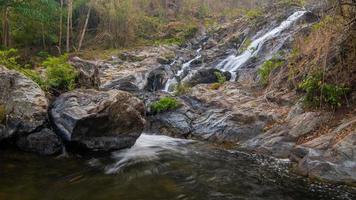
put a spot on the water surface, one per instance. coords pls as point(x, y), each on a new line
point(157, 167)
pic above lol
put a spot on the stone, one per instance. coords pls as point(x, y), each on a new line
point(24, 102)
point(44, 142)
point(99, 120)
point(202, 76)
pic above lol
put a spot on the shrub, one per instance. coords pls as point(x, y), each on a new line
point(221, 78)
point(265, 70)
point(8, 58)
point(2, 114)
point(35, 76)
point(165, 104)
point(60, 74)
point(181, 89)
point(253, 14)
point(318, 92)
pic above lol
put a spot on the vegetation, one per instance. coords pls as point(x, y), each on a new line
point(60, 74)
point(165, 104)
point(318, 92)
point(181, 89)
point(265, 70)
point(221, 78)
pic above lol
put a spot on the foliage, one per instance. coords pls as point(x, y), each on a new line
point(181, 89)
point(60, 74)
point(165, 104)
point(221, 78)
point(8, 58)
point(245, 45)
point(253, 14)
point(265, 70)
point(2, 114)
point(318, 92)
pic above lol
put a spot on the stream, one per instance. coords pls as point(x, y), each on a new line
point(157, 167)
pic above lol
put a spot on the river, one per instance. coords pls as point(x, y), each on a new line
point(157, 167)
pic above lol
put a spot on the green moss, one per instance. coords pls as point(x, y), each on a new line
point(215, 86)
point(165, 104)
point(221, 78)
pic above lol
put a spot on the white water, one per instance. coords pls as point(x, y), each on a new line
point(185, 67)
point(146, 148)
point(232, 63)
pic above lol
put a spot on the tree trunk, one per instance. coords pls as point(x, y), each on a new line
point(5, 28)
point(69, 23)
point(60, 29)
point(84, 29)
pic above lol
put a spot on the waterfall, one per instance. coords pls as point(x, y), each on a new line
point(232, 63)
point(177, 76)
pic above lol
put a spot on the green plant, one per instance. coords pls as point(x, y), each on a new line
point(165, 104)
point(253, 14)
point(2, 114)
point(318, 92)
point(265, 70)
point(8, 58)
point(221, 78)
point(181, 89)
point(60, 74)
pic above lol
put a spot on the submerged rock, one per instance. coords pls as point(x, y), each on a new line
point(24, 102)
point(45, 142)
point(99, 120)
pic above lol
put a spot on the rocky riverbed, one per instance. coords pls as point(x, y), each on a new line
point(112, 108)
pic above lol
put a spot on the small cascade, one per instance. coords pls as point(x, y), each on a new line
point(180, 73)
point(232, 63)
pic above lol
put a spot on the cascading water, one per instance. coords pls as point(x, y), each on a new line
point(178, 75)
point(232, 63)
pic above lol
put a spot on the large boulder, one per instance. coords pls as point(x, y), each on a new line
point(99, 120)
point(25, 104)
point(44, 142)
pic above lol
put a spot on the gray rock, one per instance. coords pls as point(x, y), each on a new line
point(88, 76)
point(45, 142)
point(156, 79)
point(204, 76)
point(329, 157)
point(24, 101)
point(99, 120)
point(306, 123)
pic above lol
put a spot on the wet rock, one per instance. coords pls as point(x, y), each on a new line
point(222, 125)
point(125, 84)
point(24, 102)
point(156, 79)
point(205, 76)
point(45, 142)
point(88, 76)
point(99, 120)
point(174, 123)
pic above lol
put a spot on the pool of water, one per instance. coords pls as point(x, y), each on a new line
point(157, 167)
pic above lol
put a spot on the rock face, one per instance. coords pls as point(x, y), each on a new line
point(330, 157)
point(45, 142)
point(99, 120)
point(24, 101)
